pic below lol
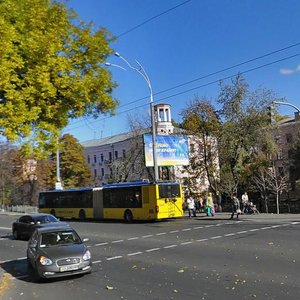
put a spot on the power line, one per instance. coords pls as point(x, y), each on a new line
point(211, 74)
point(214, 73)
point(152, 18)
point(201, 86)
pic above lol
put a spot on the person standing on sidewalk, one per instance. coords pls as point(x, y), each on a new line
point(191, 206)
point(235, 207)
point(245, 202)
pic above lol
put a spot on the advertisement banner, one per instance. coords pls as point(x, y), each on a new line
point(171, 150)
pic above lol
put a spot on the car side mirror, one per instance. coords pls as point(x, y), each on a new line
point(31, 223)
point(85, 240)
point(33, 244)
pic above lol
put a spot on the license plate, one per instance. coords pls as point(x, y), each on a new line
point(68, 268)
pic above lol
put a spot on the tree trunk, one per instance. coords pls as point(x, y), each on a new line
point(277, 202)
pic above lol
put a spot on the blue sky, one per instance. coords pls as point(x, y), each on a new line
point(195, 39)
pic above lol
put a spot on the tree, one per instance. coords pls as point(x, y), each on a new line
point(243, 115)
point(132, 163)
point(201, 122)
point(74, 170)
point(277, 182)
point(51, 71)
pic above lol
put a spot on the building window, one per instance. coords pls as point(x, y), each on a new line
point(110, 156)
point(116, 154)
point(88, 159)
point(102, 172)
point(95, 158)
point(95, 173)
point(161, 115)
point(124, 153)
point(102, 157)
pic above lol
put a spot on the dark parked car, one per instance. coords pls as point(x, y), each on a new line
point(58, 251)
point(23, 227)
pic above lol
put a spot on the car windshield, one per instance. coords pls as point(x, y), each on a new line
point(49, 239)
point(46, 219)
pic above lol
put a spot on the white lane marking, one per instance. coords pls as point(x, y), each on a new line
point(174, 231)
point(186, 229)
point(153, 249)
point(114, 257)
point(219, 224)
point(198, 227)
point(202, 240)
point(135, 253)
point(215, 237)
point(207, 226)
point(170, 246)
point(241, 232)
point(133, 238)
point(255, 229)
point(118, 241)
point(295, 223)
point(5, 228)
point(275, 226)
point(186, 243)
point(161, 233)
point(146, 236)
point(265, 228)
point(229, 234)
point(97, 261)
point(21, 258)
point(101, 244)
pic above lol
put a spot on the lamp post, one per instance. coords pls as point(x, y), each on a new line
point(286, 103)
point(58, 184)
point(140, 70)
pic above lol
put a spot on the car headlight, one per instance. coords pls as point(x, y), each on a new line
point(87, 255)
point(45, 261)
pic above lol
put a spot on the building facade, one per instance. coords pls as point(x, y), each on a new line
point(121, 157)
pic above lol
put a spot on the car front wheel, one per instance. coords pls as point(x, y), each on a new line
point(16, 234)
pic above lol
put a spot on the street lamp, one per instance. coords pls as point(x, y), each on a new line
point(140, 70)
point(286, 103)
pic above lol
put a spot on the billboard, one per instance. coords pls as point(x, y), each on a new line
point(171, 150)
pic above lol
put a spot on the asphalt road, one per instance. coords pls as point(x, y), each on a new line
point(198, 258)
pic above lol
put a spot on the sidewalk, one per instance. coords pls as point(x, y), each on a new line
point(263, 217)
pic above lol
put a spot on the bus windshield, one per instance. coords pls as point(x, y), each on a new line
point(169, 190)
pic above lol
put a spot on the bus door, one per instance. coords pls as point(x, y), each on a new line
point(98, 203)
point(149, 201)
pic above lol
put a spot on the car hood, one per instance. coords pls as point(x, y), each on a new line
point(39, 225)
point(62, 251)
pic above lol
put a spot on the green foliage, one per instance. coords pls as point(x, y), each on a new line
point(241, 127)
point(73, 168)
point(244, 121)
point(51, 70)
point(200, 120)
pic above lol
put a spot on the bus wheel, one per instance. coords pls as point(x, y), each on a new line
point(81, 214)
point(128, 217)
point(52, 212)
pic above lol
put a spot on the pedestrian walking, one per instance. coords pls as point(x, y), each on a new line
point(210, 205)
point(191, 206)
point(235, 207)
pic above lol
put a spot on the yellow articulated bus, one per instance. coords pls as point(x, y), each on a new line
point(122, 201)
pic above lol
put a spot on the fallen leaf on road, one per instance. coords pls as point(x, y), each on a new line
point(109, 287)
